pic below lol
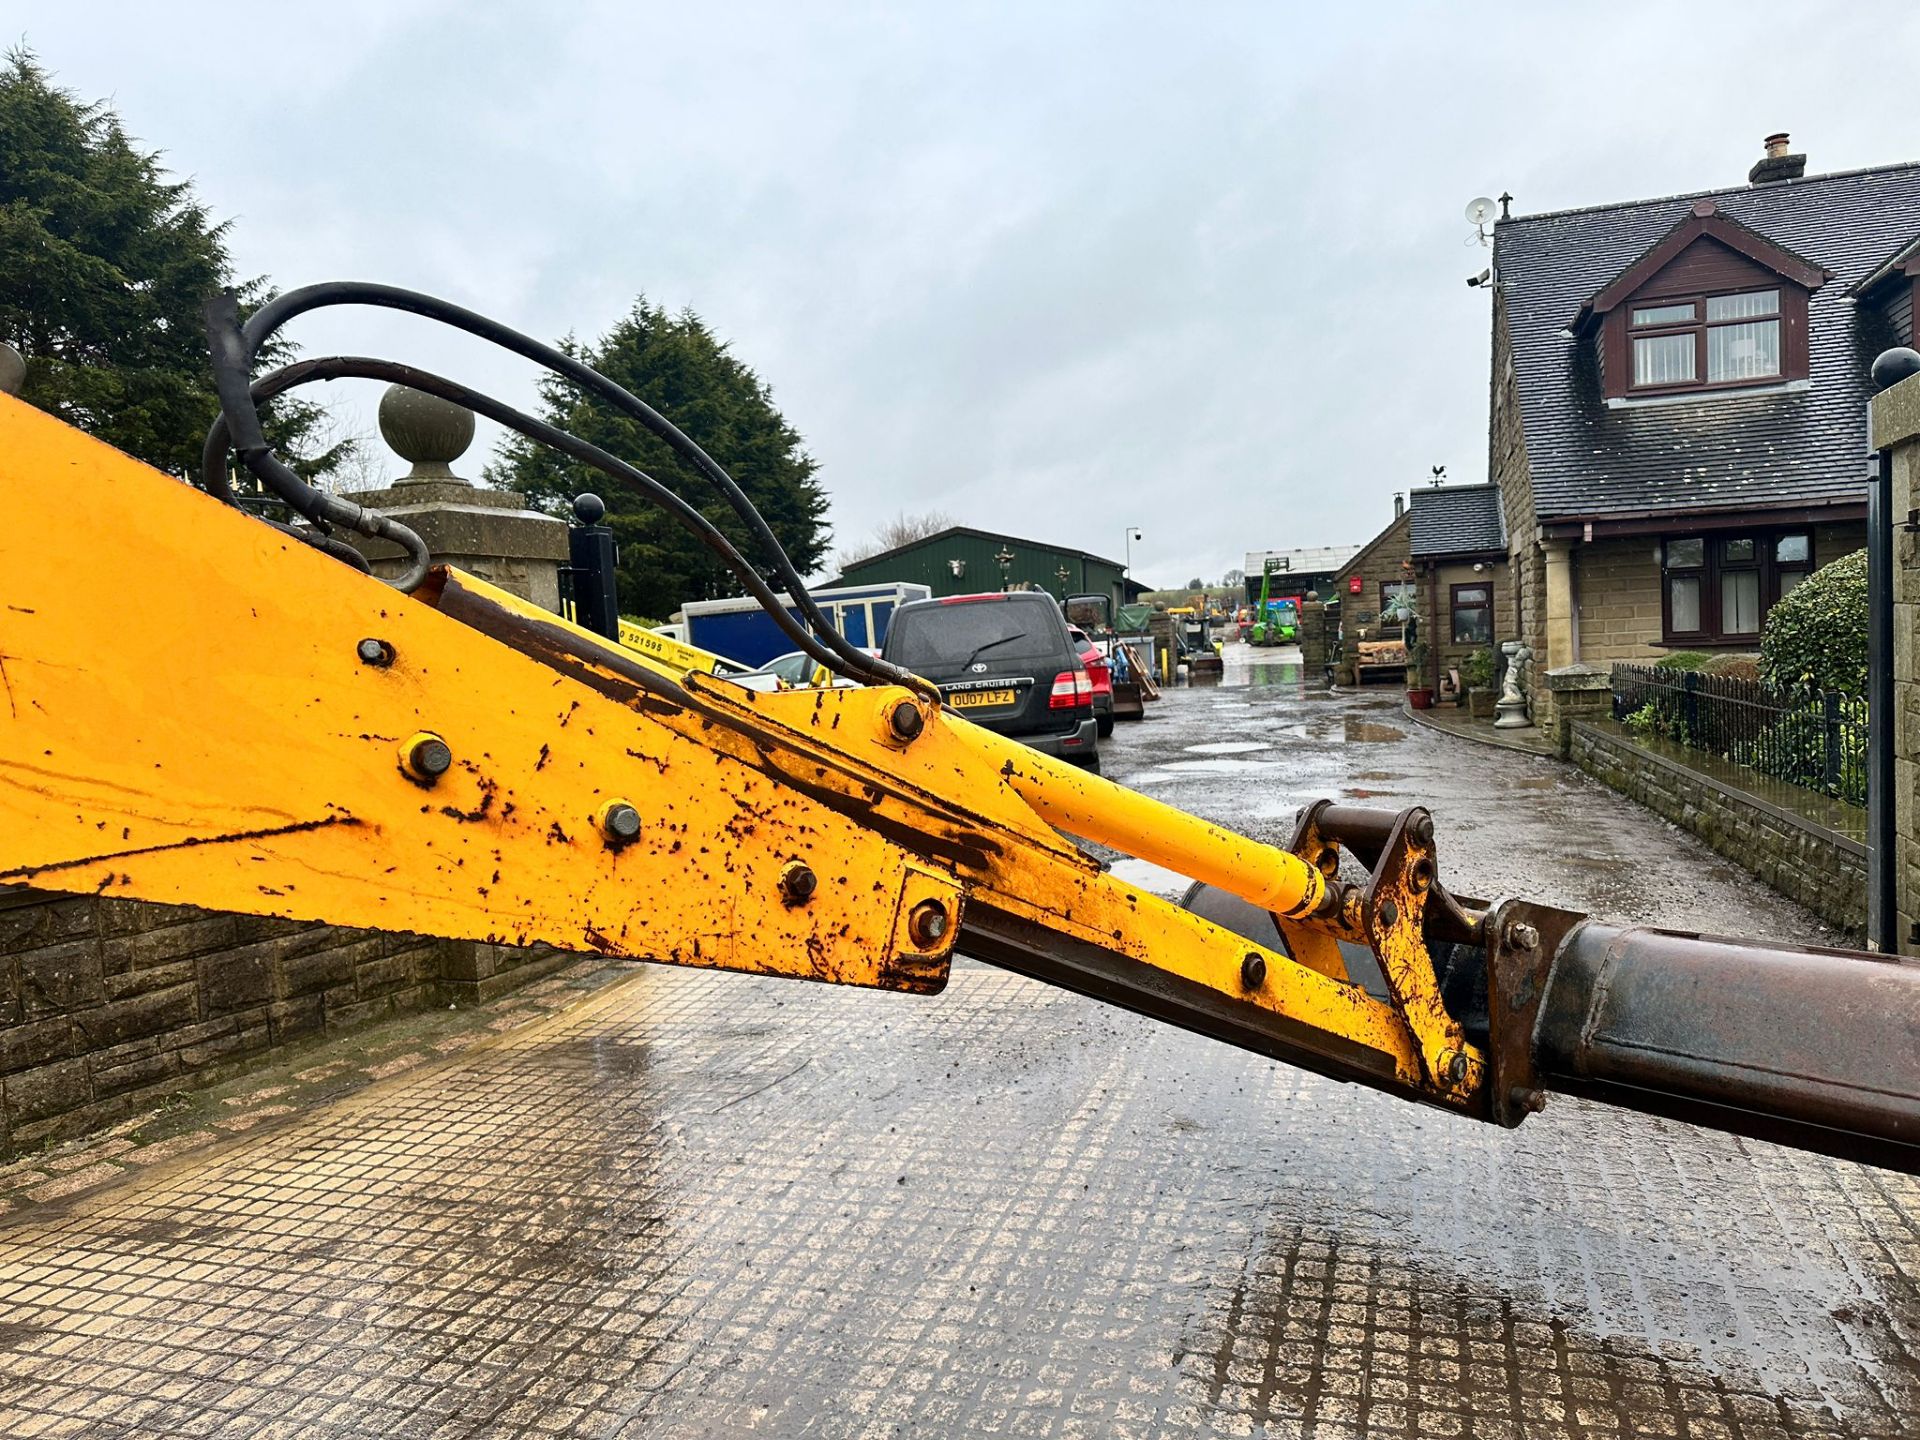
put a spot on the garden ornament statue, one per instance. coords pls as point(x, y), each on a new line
point(1511, 711)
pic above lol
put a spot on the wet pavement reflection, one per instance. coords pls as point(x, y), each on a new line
point(707, 1205)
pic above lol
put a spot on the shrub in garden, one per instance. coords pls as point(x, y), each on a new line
point(1816, 637)
point(1737, 667)
point(1477, 669)
point(1682, 660)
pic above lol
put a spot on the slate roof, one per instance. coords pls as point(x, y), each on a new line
point(991, 535)
point(1456, 520)
point(1732, 450)
point(1890, 267)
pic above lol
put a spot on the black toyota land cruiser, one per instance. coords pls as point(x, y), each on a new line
point(1005, 662)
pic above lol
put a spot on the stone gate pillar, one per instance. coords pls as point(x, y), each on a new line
point(487, 533)
point(1313, 639)
point(1896, 427)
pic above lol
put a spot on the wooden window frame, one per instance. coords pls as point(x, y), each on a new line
point(1384, 624)
point(1618, 332)
point(1454, 609)
point(1712, 567)
point(1698, 327)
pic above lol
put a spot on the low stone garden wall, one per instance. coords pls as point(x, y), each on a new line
point(1775, 836)
point(107, 1006)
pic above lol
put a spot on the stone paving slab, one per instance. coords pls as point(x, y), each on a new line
point(695, 1204)
point(316, 1072)
point(709, 1205)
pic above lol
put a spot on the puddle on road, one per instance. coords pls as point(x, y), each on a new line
point(1174, 769)
point(1536, 782)
point(1226, 747)
point(1366, 732)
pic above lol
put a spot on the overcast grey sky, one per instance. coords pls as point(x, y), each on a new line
point(1056, 269)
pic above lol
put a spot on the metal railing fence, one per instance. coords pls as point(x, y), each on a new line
point(1814, 739)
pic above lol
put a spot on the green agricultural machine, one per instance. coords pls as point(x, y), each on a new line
point(1275, 622)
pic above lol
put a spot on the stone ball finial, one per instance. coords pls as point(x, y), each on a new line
point(13, 369)
point(426, 430)
point(589, 508)
point(1895, 365)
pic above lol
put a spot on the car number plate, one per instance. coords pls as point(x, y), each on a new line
point(979, 699)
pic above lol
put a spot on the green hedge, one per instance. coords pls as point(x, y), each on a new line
point(1816, 637)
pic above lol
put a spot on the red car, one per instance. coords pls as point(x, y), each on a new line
point(1100, 671)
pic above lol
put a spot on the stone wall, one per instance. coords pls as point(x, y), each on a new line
point(106, 1006)
point(1444, 576)
point(1617, 586)
point(1313, 642)
point(1380, 561)
point(1507, 465)
point(1823, 869)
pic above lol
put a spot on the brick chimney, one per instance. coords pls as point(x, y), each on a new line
point(1777, 164)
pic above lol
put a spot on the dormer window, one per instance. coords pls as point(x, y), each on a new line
point(1729, 339)
point(1711, 306)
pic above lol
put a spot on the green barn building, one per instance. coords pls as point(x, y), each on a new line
point(963, 561)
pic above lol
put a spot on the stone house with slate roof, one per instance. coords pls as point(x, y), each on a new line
point(1457, 545)
point(1679, 391)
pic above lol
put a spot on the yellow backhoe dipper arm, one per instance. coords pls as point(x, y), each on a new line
point(196, 708)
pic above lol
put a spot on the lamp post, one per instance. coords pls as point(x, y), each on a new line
point(1133, 534)
point(1005, 561)
point(1063, 573)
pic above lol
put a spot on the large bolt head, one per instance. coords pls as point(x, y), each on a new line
point(1253, 972)
point(798, 882)
point(374, 652)
point(426, 758)
point(1523, 1098)
point(1421, 828)
point(619, 823)
point(1522, 936)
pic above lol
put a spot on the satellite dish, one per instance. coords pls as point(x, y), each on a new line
point(1479, 211)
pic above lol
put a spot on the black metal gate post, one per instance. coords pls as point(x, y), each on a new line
point(596, 600)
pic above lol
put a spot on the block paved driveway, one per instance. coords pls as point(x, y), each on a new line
point(705, 1205)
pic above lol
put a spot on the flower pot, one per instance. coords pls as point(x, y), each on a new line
point(1480, 704)
point(1420, 699)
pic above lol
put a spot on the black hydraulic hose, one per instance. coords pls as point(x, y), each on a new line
point(213, 475)
point(232, 363)
point(277, 312)
point(355, 367)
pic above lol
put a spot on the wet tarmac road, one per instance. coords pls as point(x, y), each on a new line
point(707, 1205)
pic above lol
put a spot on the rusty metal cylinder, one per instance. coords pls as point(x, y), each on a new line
point(1814, 1048)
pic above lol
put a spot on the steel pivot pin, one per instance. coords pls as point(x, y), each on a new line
point(927, 923)
point(905, 722)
